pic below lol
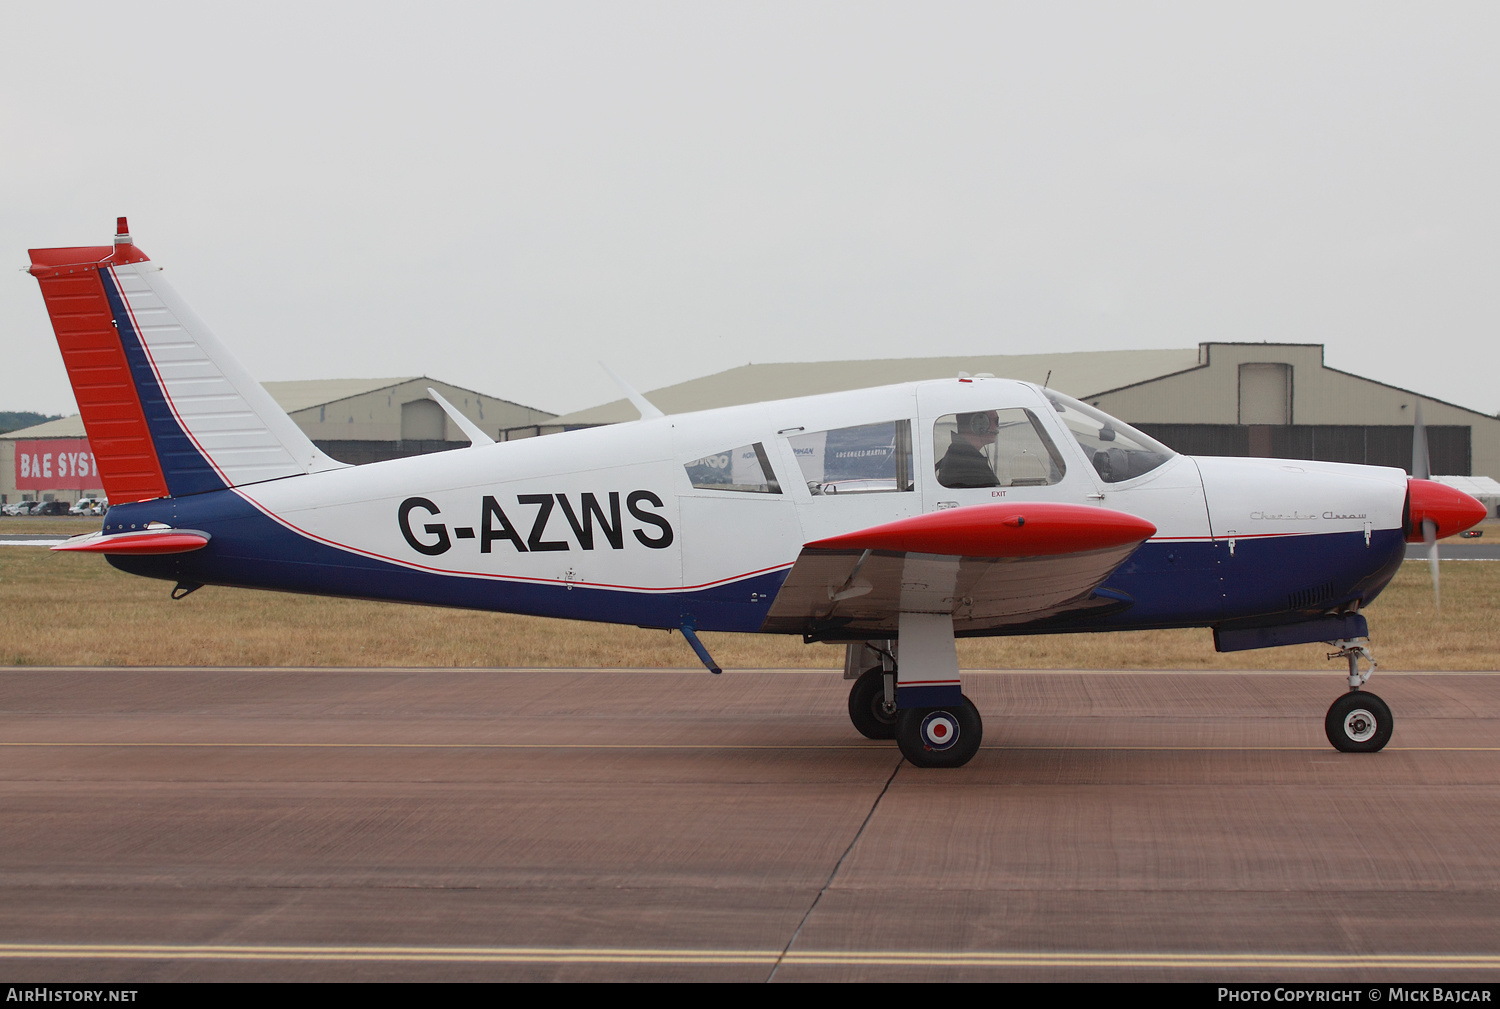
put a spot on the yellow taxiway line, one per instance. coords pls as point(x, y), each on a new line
point(812, 958)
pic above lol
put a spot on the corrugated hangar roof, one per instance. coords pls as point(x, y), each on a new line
point(1079, 374)
point(302, 395)
point(291, 396)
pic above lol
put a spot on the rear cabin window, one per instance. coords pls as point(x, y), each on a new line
point(745, 469)
point(869, 459)
point(995, 448)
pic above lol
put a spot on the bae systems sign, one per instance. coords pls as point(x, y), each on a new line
point(55, 464)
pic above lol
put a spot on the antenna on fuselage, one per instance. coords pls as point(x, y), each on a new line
point(638, 401)
point(468, 427)
point(1048, 380)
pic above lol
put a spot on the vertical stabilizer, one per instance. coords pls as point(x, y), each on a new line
point(168, 410)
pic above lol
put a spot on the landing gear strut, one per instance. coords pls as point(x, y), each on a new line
point(1358, 722)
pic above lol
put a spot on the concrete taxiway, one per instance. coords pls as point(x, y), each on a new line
point(165, 824)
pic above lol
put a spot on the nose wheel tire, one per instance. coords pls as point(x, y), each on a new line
point(867, 706)
point(939, 737)
point(1358, 722)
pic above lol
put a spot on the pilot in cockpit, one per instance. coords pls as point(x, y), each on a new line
point(964, 464)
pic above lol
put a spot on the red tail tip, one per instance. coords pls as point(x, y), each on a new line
point(122, 231)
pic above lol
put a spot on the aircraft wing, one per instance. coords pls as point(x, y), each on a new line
point(988, 566)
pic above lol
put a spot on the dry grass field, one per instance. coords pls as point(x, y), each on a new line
point(50, 525)
point(77, 611)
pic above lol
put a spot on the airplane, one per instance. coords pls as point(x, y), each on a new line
point(892, 520)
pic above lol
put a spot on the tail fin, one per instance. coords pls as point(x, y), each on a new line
point(168, 410)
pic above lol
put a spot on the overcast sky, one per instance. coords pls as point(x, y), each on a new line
point(500, 195)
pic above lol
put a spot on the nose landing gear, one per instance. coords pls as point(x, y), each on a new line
point(1358, 722)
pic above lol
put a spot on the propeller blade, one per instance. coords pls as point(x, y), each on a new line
point(1429, 536)
point(1421, 466)
point(1421, 469)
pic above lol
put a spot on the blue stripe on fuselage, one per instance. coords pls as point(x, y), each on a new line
point(1172, 583)
point(250, 550)
point(1197, 583)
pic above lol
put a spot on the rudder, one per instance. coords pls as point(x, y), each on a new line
point(168, 409)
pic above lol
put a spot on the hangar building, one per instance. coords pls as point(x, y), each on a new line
point(1248, 399)
point(354, 420)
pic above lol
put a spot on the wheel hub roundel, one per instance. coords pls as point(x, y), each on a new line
point(939, 730)
point(1360, 725)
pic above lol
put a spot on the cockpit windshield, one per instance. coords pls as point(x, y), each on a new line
point(1118, 451)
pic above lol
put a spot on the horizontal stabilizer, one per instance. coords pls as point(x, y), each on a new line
point(146, 541)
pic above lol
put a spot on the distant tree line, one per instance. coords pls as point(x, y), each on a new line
point(14, 420)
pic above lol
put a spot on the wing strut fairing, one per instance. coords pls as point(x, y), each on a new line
point(985, 566)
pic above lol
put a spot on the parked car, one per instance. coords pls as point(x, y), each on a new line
point(51, 508)
point(19, 507)
point(89, 506)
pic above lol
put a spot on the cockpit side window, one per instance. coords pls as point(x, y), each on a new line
point(1118, 451)
point(745, 469)
point(867, 459)
point(995, 448)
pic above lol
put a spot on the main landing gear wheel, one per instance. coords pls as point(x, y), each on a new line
point(1358, 722)
point(867, 706)
point(939, 737)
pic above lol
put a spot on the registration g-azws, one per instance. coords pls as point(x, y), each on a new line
point(590, 522)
